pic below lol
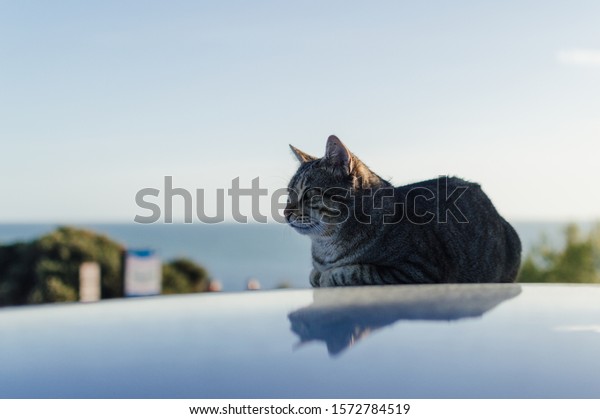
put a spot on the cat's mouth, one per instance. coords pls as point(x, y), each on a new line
point(302, 226)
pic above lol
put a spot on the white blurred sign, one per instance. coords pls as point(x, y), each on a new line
point(89, 282)
point(143, 273)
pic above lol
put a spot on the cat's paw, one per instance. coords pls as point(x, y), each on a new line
point(325, 279)
point(329, 278)
point(348, 275)
point(315, 278)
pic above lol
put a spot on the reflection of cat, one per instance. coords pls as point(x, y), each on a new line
point(364, 231)
point(340, 318)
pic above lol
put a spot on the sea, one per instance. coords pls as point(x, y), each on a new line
point(233, 254)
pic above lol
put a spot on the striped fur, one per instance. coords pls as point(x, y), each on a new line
point(364, 231)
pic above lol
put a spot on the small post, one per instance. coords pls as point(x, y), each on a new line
point(89, 282)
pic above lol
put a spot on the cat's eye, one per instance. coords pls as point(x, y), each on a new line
point(311, 193)
point(292, 195)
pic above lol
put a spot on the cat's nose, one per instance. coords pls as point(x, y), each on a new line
point(287, 213)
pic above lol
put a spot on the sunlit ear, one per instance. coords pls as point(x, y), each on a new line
point(301, 155)
point(337, 153)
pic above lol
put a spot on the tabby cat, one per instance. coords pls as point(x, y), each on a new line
point(364, 231)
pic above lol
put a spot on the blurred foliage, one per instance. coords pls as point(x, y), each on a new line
point(182, 276)
point(60, 255)
point(47, 269)
point(577, 262)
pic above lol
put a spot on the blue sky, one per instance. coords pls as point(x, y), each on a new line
point(101, 99)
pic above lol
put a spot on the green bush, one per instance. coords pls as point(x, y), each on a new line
point(47, 269)
point(577, 262)
point(182, 276)
point(63, 251)
point(17, 273)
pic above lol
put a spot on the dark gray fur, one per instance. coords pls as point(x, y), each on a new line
point(336, 201)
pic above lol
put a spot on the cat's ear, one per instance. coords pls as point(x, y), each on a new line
point(301, 155)
point(338, 154)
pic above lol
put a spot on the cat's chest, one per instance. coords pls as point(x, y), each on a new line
point(329, 255)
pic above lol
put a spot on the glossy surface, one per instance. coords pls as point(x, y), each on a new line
point(467, 341)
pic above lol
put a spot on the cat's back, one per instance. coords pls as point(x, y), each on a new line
point(442, 200)
point(453, 220)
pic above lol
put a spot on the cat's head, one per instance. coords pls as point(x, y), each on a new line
point(321, 193)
